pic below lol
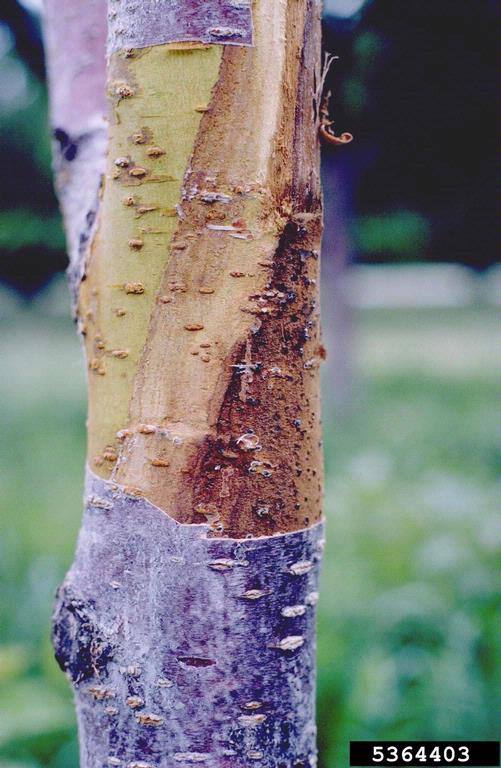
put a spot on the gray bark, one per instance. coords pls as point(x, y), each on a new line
point(140, 23)
point(75, 43)
point(184, 649)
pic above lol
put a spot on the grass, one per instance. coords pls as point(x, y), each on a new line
point(407, 616)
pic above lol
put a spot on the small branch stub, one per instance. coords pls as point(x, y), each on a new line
point(326, 127)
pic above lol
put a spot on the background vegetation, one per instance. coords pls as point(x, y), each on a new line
point(408, 610)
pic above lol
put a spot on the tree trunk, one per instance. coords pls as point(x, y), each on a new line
point(187, 621)
point(337, 253)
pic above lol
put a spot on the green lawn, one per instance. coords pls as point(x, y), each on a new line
point(407, 615)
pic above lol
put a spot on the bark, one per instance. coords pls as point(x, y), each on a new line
point(186, 649)
point(186, 623)
point(75, 51)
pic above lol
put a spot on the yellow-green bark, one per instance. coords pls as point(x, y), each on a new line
point(210, 202)
point(153, 125)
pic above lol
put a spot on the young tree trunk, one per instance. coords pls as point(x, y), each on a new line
point(187, 621)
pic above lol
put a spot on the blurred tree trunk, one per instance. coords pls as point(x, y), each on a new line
point(338, 181)
point(186, 623)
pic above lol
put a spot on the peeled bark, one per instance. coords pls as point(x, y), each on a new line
point(187, 621)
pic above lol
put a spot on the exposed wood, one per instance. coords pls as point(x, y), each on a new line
point(137, 220)
point(187, 621)
point(221, 297)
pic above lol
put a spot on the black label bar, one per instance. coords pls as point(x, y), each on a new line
point(417, 754)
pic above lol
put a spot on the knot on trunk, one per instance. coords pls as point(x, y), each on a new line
point(81, 648)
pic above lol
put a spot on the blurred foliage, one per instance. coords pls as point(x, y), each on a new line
point(22, 229)
point(407, 610)
point(404, 235)
point(416, 84)
point(31, 239)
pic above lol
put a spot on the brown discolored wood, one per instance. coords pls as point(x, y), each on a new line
point(260, 472)
point(229, 379)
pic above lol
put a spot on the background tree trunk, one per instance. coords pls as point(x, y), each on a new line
point(187, 621)
point(337, 259)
